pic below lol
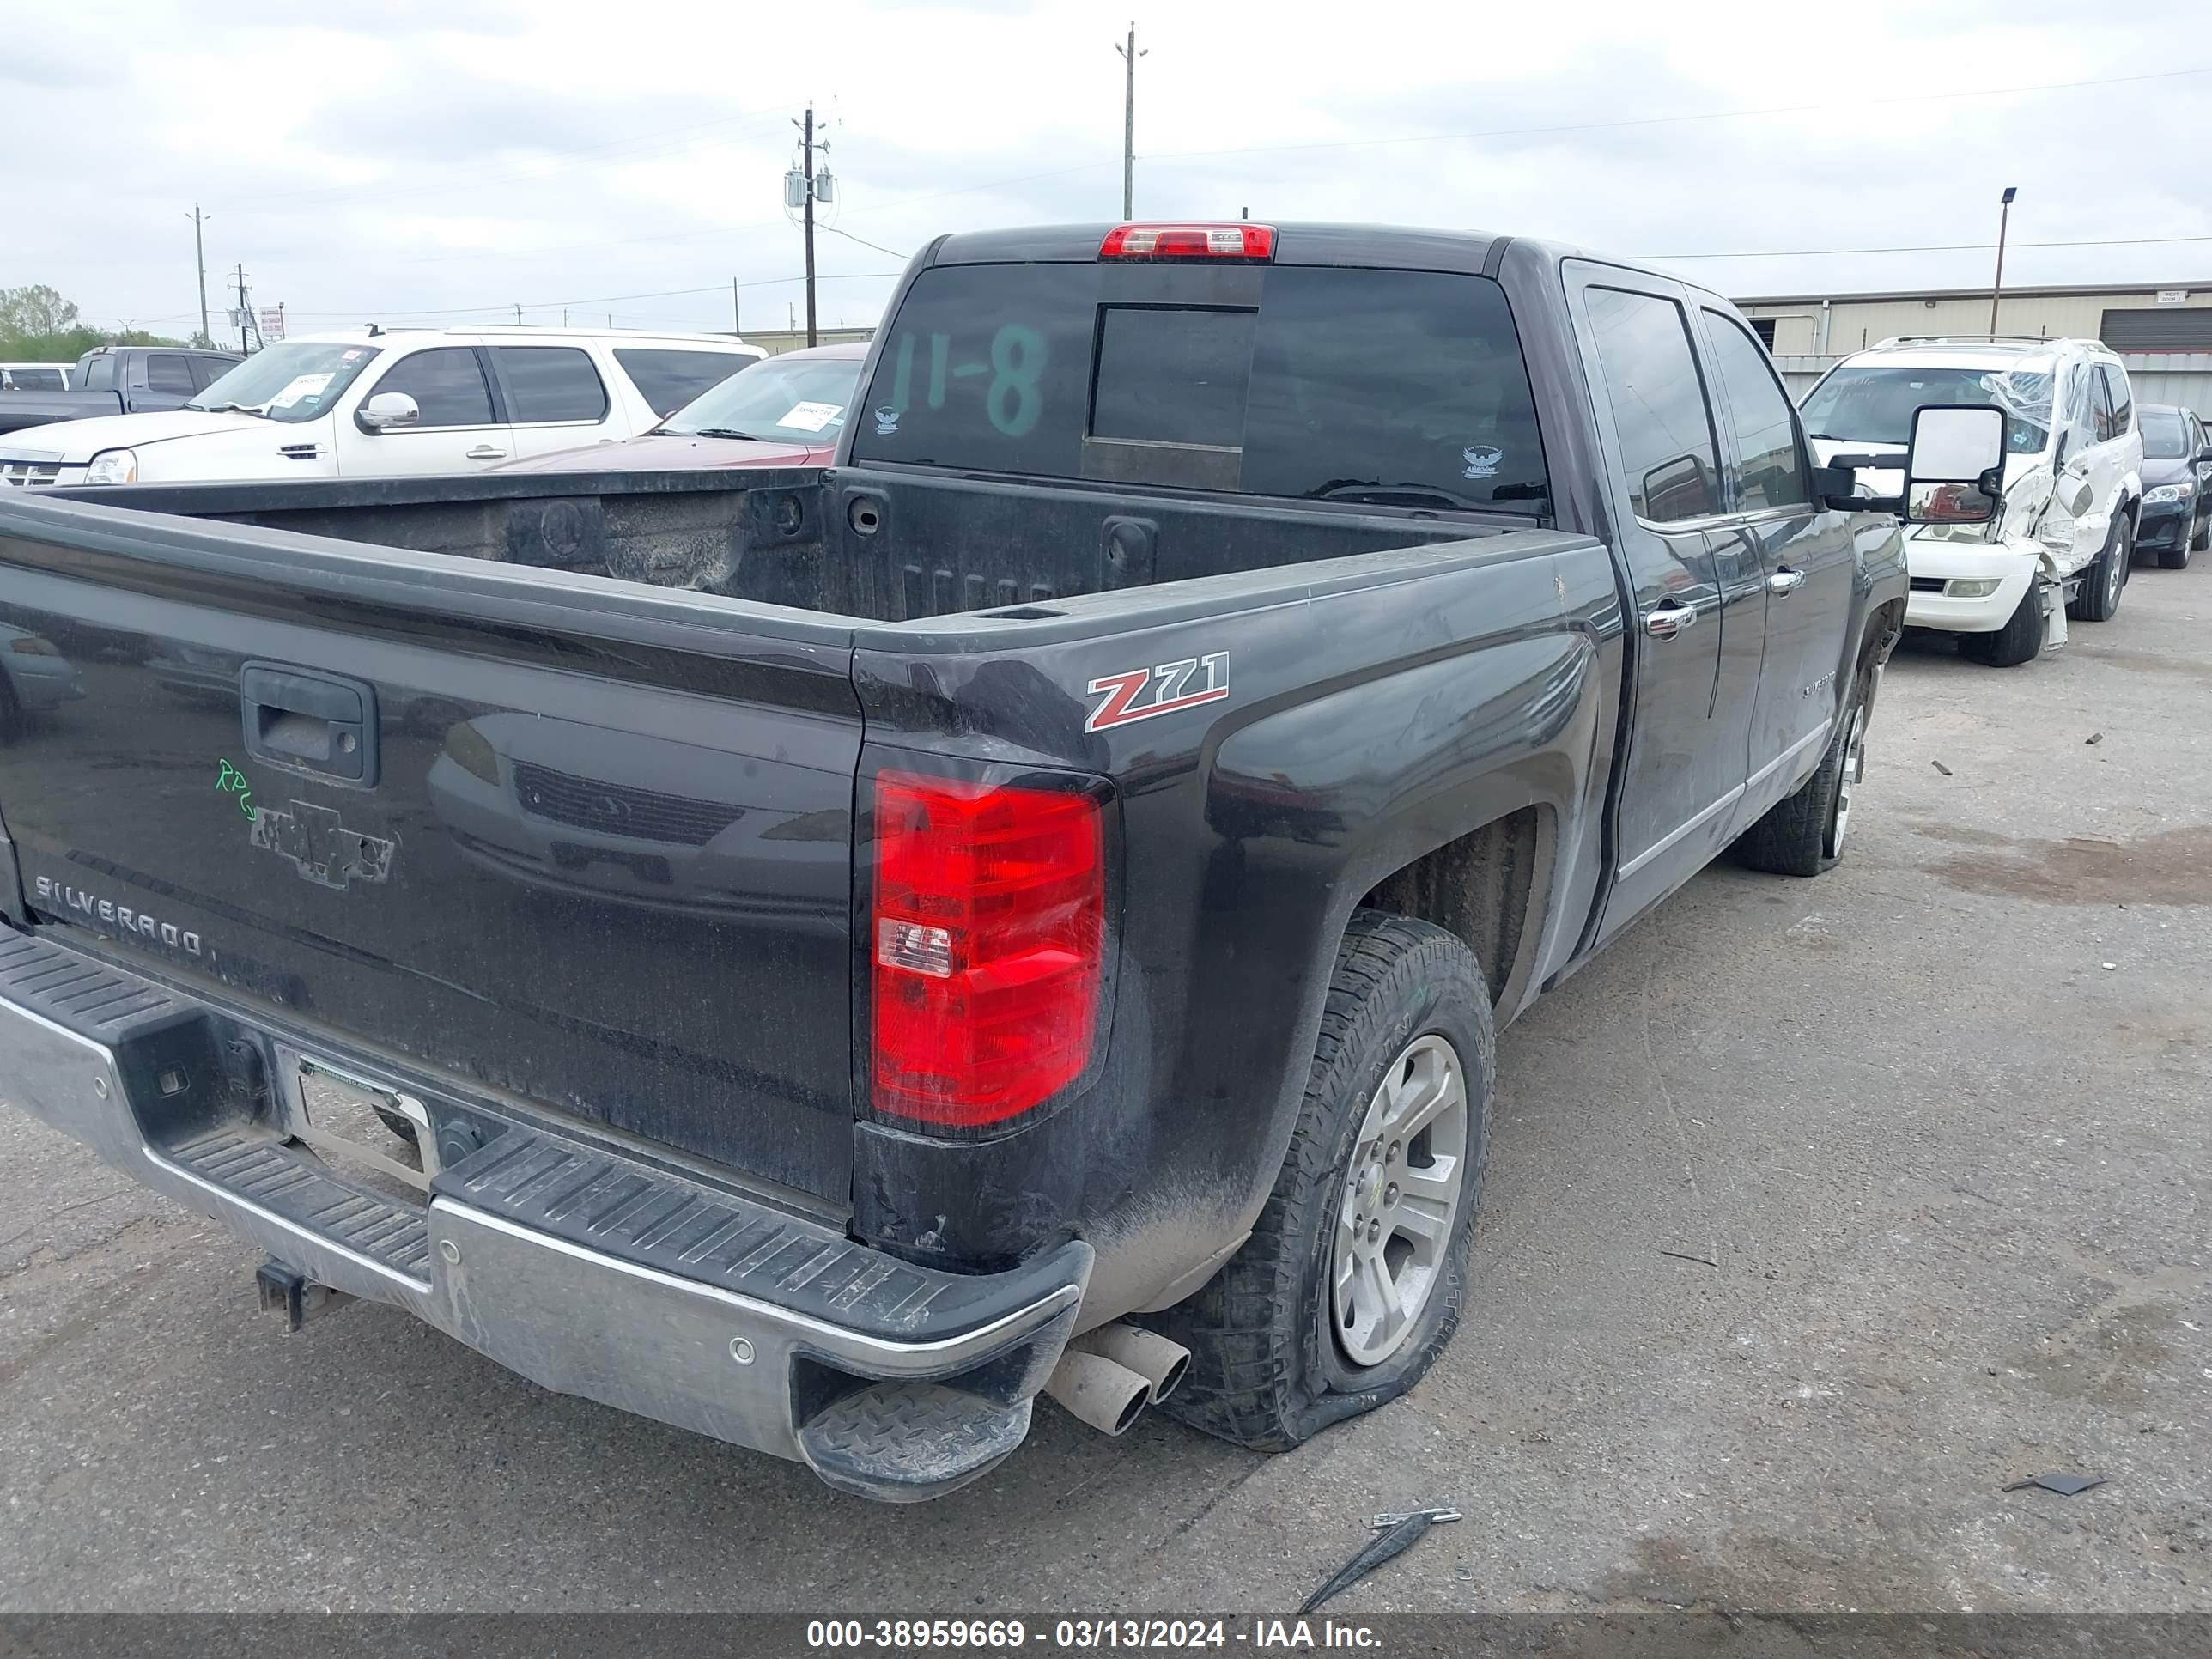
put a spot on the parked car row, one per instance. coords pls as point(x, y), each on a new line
point(2090, 482)
point(370, 402)
point(117, 381)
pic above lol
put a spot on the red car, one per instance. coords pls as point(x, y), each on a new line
point(782, 411)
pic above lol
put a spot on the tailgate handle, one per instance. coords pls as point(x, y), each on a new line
point(304, 721)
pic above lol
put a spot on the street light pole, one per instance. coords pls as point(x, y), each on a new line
point(2004, 220)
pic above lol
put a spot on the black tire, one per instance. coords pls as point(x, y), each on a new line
point(1266, 1371)
point(2020, 639)
point(1803, 834)
point(2100, 596)
point(2177, 557)
point(2200, 537)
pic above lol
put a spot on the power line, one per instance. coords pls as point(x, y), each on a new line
point(864, 242)
point(380, 313)
point(1927, 247)
point(1675, 120)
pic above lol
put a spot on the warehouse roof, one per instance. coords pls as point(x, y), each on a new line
point(1983, 293)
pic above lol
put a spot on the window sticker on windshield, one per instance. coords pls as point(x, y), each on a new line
point(813, 417)
point(347, 356)
point(1482, 460)
point(887, 420)
point(303, 388)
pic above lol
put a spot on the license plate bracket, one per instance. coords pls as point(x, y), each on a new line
point(354, 1120)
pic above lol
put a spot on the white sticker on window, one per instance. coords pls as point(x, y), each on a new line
point(303, 386)
point(1481, 460)
point(811, 417)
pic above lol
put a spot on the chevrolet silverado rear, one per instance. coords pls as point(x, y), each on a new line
point(822, 957)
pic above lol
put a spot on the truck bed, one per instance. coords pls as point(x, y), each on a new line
point(870, 544)
point(607, 862)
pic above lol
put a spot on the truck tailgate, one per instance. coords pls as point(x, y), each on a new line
point(583, 841)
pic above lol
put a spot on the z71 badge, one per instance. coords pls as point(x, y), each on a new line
point(1142, 693)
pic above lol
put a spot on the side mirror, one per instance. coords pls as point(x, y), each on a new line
point(1955, 469)
point(386, 410)
point(2078, 497)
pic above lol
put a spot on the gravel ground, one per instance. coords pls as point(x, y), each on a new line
point(1936, 1121)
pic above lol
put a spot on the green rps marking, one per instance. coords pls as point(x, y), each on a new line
point(232, 781)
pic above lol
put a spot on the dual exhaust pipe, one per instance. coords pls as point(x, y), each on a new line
point(1109, 1376)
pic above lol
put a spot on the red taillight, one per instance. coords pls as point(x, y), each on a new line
point(990, 925)
point(1188, 242)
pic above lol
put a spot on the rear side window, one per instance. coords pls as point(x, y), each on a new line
point(97, 374)
point(669, 380)
point(167, 371)
point(1659, 412)
point(36, 379)
point(206, 370)
point(550, 383)
point(1401, 387)
point(447, 385)
point(2116, 391)
point(1769, 473)
point(2105, 422)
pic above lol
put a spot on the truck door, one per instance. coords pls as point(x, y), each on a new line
point(1786, 567)
point(1685, 760)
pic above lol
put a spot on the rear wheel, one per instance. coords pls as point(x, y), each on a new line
point(2200, 537)
point(2018, 641)
point(1802, 835)
point(2101, 582)
point(2177, 557)
point(1350, 1285)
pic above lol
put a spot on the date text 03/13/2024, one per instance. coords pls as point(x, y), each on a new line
point(1085, 1635)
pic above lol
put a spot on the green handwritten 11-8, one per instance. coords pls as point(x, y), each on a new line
point(232, 781)
point(1014, 400)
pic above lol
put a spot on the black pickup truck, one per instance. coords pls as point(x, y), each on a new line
point(120, 380)
point(1024, 909)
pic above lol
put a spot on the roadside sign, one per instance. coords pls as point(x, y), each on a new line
point(272, 323)
point(2173, 296)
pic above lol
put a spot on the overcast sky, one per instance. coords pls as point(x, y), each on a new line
point(443, 159)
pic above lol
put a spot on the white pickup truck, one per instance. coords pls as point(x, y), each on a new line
point(388, 403)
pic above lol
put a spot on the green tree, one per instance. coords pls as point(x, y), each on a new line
point(38, 326)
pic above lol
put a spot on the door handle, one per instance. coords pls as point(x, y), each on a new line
point(1667, 621)
point(1785, 581)
point(484, 453)
point(305, 720)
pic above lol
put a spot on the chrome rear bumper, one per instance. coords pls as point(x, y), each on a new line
point(579, 1265)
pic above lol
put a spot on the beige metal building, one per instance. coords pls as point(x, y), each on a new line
point(2147, 317)
point(777, 341)
point(2162, 331)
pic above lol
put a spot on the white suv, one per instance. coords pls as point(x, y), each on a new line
point(385, 403)
point(2073, 481)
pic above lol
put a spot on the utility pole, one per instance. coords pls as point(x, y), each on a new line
point(244, 309)
point(199, 263)
point(736, 327)
point(810, 224)
point(2004, 220)
point(518, 313)
point(1129, 56)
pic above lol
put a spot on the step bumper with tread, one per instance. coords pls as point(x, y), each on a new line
point(587, 1271)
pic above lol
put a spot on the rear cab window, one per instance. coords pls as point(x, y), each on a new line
point(1308, 383)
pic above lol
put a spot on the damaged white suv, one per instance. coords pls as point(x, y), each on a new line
point(2073, 482)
